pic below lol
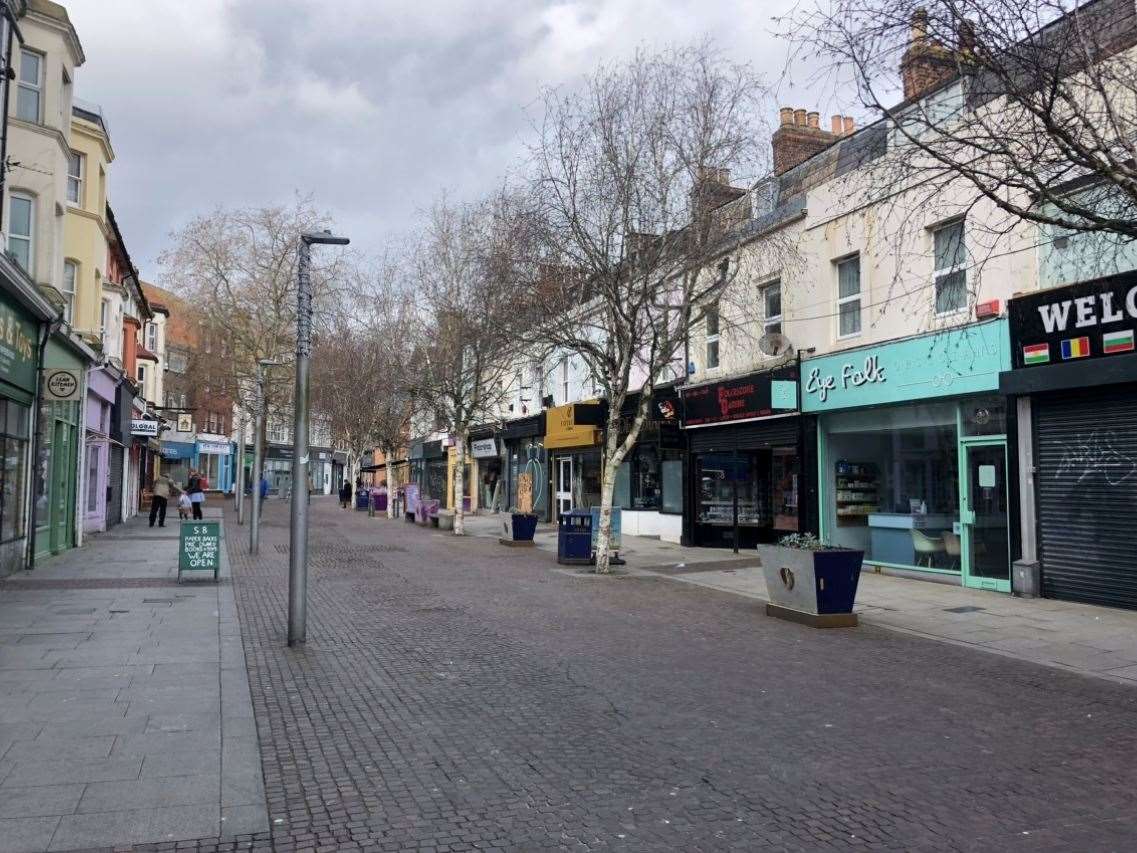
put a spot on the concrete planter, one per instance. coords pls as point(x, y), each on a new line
point(445, 519)
point(816, 588)
point(517, 529)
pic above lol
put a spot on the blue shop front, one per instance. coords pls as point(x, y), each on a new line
point(912, 453)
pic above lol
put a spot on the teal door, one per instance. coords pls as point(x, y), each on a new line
point(983, 541)
point(62, 487)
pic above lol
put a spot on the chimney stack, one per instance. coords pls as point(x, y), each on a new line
point(800, 136)
point(926, 63)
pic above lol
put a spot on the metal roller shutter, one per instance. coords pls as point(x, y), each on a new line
point(1086, 482)
point(780, 432)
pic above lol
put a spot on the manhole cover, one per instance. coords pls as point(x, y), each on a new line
point(965, 609)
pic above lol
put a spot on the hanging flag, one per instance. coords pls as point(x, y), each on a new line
point(1075, 348)
point(1036, 354)
point(1112, 342)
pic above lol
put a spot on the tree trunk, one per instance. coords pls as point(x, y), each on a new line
point(390, 486)
point(459, 483)
point(612, 460)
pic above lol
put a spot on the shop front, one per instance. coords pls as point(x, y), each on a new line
point(524, 458)
point(1073, 387)
point(178, 460)
point(572, 441)
point(649, 482)
point(746, 443)
point(102, 383)
point(487, 471)
point(912, 453)
point(19, 338)
point(435, 483)
point(57, 467)
point(215, 460)
point(278, 469)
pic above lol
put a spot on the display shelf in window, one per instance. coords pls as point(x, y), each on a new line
point(857, 493)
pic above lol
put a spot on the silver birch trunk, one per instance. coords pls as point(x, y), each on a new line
point(390, 487)
point(459, 484)
point(612, 461)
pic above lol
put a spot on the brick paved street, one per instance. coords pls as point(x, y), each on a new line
point(458, 695)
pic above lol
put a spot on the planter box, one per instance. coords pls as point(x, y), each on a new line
point(815, 588)
point(445, 519)
point(517, 529)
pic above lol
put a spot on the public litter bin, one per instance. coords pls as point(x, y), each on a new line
point(362, 497)
point(574, 538)
point(379, 499)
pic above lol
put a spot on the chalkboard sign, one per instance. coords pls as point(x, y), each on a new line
point(200, 547)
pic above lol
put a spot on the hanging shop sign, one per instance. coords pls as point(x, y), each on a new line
point(759, 395)
point(185, 422)
point(964, 360)
point(1088, 320)
point(61, 385)
point(483, 448)
point(562, 429)
point(143, 427)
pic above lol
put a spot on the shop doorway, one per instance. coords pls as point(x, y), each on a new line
point(983, 542)
point(564, 485)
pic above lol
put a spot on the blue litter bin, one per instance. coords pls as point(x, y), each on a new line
point(574, 538)
point(361, 498)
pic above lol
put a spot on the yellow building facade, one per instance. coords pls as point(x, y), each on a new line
point(87, 232)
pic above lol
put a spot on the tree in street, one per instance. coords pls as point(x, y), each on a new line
point(630, 178)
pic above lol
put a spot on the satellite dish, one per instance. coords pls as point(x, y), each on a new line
point(775, 343)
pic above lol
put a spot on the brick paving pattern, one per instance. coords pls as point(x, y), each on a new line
point(455, 695)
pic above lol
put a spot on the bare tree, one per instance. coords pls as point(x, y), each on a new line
point(1032, 103)
point(630, 180)
point(472, 287)
point(237, 271)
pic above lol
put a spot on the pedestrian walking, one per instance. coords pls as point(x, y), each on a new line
point(264, 487)
point(159, 498)
point(345, 494)
point(195, 488)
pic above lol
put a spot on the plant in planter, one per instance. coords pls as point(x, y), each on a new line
point(519, 525)
point(810, 581)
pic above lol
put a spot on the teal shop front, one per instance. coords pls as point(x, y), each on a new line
point(912, 453)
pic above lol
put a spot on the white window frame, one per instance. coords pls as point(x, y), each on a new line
point(151, 336)
point(938, 274)
point(36, 87)
point(853, 297)
point(712, 338)
point(30, 237)
point(75, 177)
point(69, 295)
point(565, 377)
point(776, 319)
point(142, 375)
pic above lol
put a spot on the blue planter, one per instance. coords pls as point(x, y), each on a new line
point(811, 582)
point(524, 526)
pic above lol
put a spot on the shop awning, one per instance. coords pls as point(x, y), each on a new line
point(177, 449)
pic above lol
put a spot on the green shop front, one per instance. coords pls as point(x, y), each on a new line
point(57, 466)
point(912, 453)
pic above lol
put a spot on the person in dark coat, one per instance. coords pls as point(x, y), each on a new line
point(196, 491)
point(345, 494)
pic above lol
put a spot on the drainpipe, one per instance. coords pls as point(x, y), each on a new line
point(13, 30)
point(48, 329)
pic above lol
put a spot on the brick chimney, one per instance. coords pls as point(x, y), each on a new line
point(713, 189)
point(926, 63)
point(800, 136)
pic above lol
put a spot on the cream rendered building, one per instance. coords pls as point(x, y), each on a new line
point(86, 229)
point(39, 146)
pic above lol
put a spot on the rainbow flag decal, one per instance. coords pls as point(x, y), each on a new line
point(1075, 348)
point(1112, 342)
point(1036, 354)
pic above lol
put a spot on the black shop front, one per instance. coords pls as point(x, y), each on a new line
point(749, 478)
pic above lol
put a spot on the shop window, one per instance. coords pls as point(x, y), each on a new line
point(671, 481)
point(849, 297)
point(983, 416)
point(711, 321)
point(14, 446)
point(772, 307)
point(93, 484)
point(950, 268)
point(893, 485)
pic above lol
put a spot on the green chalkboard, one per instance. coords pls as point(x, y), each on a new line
point(200, 547)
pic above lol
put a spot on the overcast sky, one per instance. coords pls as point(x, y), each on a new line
point(372, 106)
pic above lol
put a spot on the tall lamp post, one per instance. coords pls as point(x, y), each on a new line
point(241, 423)
point(258, 456)
point(298, 538)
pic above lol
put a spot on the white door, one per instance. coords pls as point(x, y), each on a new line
point(564, 484)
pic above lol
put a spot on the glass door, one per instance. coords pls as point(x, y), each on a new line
point(564, 484)
point(984, 541)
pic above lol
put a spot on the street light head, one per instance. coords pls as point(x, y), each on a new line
point(325, 237)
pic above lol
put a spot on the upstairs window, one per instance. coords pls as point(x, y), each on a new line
point(70, 273)
point(711, 323)
point(152, 337)
point(950, 268)
point(772, 308)
point(565, 378)
point(30, 92)
point(849, 297)
point(75, 178)
point(20, 221)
